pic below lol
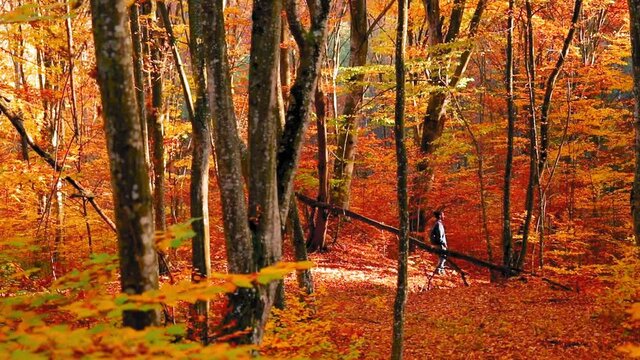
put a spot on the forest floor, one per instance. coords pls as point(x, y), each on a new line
point(524, 318)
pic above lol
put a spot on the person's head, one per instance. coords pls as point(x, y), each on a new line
point(439, 215)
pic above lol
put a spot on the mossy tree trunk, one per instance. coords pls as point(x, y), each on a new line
point(129, 177)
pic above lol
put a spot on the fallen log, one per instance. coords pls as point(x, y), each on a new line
point(422, 245)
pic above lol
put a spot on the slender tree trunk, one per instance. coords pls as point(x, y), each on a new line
point(533, 135)
point(348, 128)
point(321, 216)
point(634, 16)
point(305, 280)
point(507, 250)
point(156, 120)
point(72, 86)
point(138, 74)
point(182, 75)
point(403, 198)
point(129, 178)
point(544, 125)
point(199, 187)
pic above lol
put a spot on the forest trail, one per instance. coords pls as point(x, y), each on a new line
point(525, 318)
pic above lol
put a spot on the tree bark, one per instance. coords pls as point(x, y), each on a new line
point(533, 135)
point(321, 217)
point(348, 129)
point(507, 251)
point(199, 187)
point(239, 246)
point(402, 175)
point(138, 73)
point(634, 16)
point(263, 210)
point(129, 178)
point(311, 45)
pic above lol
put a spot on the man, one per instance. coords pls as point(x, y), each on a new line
point(438, 238)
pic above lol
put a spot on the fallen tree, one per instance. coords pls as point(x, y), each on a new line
point(422, 245)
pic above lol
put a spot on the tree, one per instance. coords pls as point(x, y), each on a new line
point(129, 177)
point(634, 20)
point(507, 246)
point(199, 188)
point(348, 131)
point(403, 197)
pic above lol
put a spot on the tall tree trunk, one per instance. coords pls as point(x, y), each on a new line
point(129, 177)
point(507, 250)
point(199, 188)
point(182, 75)
point(533, 135)
point(311, 45)
point(544, 126)
point(239, 247)
point(634, 16)
point(263, 210)
point(72, 86)
point(156, 120)
point(348, 129)
point(403, 198)
point(434, 119)
point(138, 74)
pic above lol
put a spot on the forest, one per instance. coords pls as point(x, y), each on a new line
point(320, 179)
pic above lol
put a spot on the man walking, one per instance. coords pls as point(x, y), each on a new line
point(439, 238)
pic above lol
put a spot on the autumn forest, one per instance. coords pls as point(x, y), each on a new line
point(320, 179)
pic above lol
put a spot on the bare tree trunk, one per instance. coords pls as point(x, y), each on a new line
point(533, 135)
point(138, 74)
point(199, 188)
point(311, 45)
point(348, 129)
point(544, 125)
point(155, 120)
point(507, 247)
point(182, 75)
point(403, 197)
point(305, 281)
point(239, 246)
point(72, 86)
point(129, 178)
point(263, 210)
point(634, 15)
point(321, 216)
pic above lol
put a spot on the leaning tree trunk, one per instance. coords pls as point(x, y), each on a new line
point(199, 188)
point(634, 15)
point(544, 126)
point(311, 45)
point(507, 251)
point(129, 178)
point(403, 197)
point(348, 130)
